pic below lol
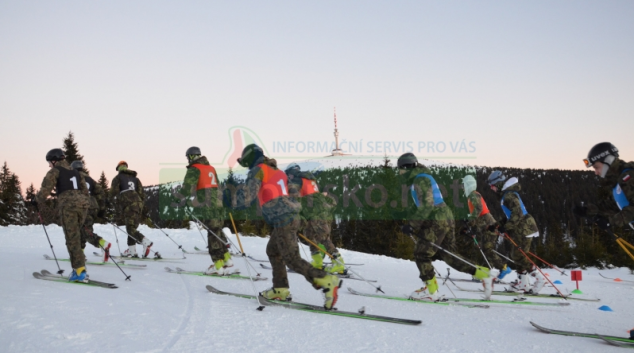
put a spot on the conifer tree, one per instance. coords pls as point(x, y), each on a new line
point(103, 182)
point(71, 150)
point(12, 207)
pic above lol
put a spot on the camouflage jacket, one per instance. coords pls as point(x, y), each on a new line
point(135, 194)
point(206, 203)
point(97, 195)
point(475, 220)
point(68, 199)
point(425, 213)
point(274, 211)
point(314, 206)
point(519, 224)
point(607, 206)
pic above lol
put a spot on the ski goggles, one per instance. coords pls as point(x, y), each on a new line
point(587, 163)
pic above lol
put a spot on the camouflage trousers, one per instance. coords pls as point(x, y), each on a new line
point(318, 231)
point(132, 214)
point(440, 233)
point(521, 262)
point(487, 241)
point(87, 233)
point(72, 219)
point(283, 251)
point(216, 247)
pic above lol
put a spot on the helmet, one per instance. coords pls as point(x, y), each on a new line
point(77, 165)
point(193, 150)
point(293, 168)
point(407, 160)
point(54, 155)
point(251, 155)
point(120, 164)
point(601, 153)
point(496, 177)
point(469, 183)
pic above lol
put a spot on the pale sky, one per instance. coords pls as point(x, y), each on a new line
point(530, 83)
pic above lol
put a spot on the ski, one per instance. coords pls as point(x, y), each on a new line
point(473, 280)
point(118, 257)
point(318, 309)
point(325, 263)
point(346, 276)
point(198, 251)
point(45, 275)
point(404, 298)
point(614, 279)
point(232, 275)
point(522, 294)
point(121, 263)
point(482, 303)
point(621, 341)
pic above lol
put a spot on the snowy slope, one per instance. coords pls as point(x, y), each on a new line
point(162, 312)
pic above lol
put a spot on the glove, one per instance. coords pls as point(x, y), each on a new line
point(580, 211)
point(464, 231)
point(501, 228)
point(492, 227)
point(407, 229)
point(101, 213)
point(34, 202)
point(602, 222)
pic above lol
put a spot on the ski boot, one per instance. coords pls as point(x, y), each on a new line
point(147, 244)
point(217, 269)
point(131, 252)
point(282, 294)
point(228, 262)
point(428, 293)
point(105, 247)
point(522, 284)
point(505, 271)
point(78, 275)
point(318, 260)
point(486, 276)
point(337, 266)
point(330, 285)
point(539, 283)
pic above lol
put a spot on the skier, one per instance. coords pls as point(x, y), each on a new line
point(126, 188)
point(431, 221)
point(200, 191)
point(97, 209)
point(520, 226)
point(72, 204)
point(316, 216)
point(269, 186)
point(479, 220)
point(617, 186)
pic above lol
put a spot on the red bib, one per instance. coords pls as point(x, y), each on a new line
point(485, 208)
point(274, 184)
point(208, 178)
point(308, 187)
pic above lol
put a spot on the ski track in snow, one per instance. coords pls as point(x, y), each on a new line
point(164, 312)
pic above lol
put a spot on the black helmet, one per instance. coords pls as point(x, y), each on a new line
point(54, 155)
point(496, 177)
point(600, 153)
point(251, 155)
point(293, 168)
point(193, 150)
point(407, 160)
point(77, 165)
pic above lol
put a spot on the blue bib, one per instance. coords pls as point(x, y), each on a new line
point(434, 187)
point(619, 197)
point(506, 210)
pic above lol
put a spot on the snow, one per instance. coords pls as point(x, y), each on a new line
point(163, 312)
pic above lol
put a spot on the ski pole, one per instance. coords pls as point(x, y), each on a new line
point(127, 277)
point(622, 243)
point(201, 234)
point(337, 261)
point(156, 254)
point(60, 271)
point(244, 257)
point(438, 273)
point(551, 266)
point(116, 237)
point(179, 246)
point(495, 251)
point(537, 267)
point(470, 233)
